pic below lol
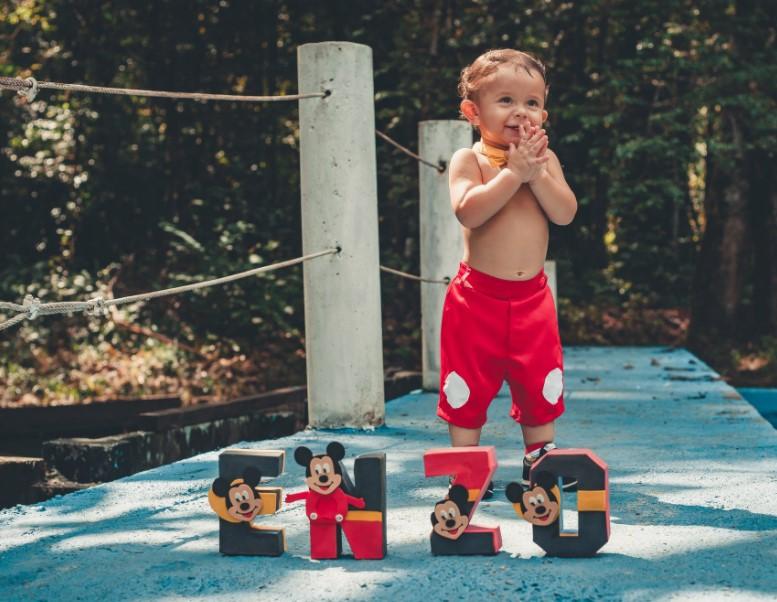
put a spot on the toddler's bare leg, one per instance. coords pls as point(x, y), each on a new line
point(461, 437)
point(538, 434)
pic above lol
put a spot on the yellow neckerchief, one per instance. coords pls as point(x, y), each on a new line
point(497, 157)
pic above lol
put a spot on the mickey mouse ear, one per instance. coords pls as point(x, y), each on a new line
point(544, 479)
point(459, 495)
point(302, 456)
point(336, 451)
point(514, 492)
point(220, 486)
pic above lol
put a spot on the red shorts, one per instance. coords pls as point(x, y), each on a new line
point(495, 330)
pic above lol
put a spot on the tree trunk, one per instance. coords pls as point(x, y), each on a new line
point(764, 199)
point(721, 268)
point(772, 276)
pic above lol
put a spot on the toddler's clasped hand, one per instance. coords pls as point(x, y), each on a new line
point(527, 160)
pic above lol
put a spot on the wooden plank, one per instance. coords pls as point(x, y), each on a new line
point(97, 417)
point(290, 399)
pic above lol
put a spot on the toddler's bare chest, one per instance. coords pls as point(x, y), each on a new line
point(521, 206)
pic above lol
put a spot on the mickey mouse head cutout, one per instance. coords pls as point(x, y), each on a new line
point(450, 516)
point(237, 500)
point(322, 472)
point(539, 503)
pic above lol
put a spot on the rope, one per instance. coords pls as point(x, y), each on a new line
point(445, 280)
point(32, 307)
point(440, 167)
point(29, 88)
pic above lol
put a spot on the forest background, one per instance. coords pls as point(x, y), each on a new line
point(663, 113)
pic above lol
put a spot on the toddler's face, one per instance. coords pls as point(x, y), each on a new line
point(509, 97)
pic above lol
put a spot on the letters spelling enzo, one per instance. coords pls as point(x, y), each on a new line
point(335, 504)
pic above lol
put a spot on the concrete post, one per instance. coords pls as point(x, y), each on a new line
point(441, 239)
point(550, 272)
point(343, 337)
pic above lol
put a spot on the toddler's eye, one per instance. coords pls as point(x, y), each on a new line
point(534, 103)
point(505, 99)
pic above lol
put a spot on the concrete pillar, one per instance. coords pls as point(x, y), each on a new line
point(441, 239)
point(550, 272)
point(343, 337)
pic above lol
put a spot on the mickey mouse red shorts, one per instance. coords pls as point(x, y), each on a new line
point(495, 330)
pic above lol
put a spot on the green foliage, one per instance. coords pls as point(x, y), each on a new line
point(121, 195)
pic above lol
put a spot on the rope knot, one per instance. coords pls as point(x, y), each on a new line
point(31, 306)
point(97, 307)
point(31, 92)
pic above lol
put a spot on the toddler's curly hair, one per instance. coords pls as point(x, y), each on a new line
point(473, 75)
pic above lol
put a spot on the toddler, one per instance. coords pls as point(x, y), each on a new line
point(499, 320)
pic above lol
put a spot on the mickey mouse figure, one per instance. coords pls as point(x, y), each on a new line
point(451, 515)
point(325, 499)
point(539, 503)
point(237, 500)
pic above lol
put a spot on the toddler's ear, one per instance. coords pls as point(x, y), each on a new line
point(470, 111)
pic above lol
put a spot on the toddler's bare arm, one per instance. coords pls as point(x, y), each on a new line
point(553, 193)
point(473, 202)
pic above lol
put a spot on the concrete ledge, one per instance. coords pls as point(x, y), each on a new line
point(108, 458)
point(160, 437)
point(20, 468)
point(18, 473)
point(28, 480)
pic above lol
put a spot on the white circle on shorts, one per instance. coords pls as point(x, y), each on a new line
point(554, 386)
point(456, 390)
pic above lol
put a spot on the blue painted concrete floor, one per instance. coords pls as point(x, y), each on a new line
point(693, 475)
point(764, 400)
